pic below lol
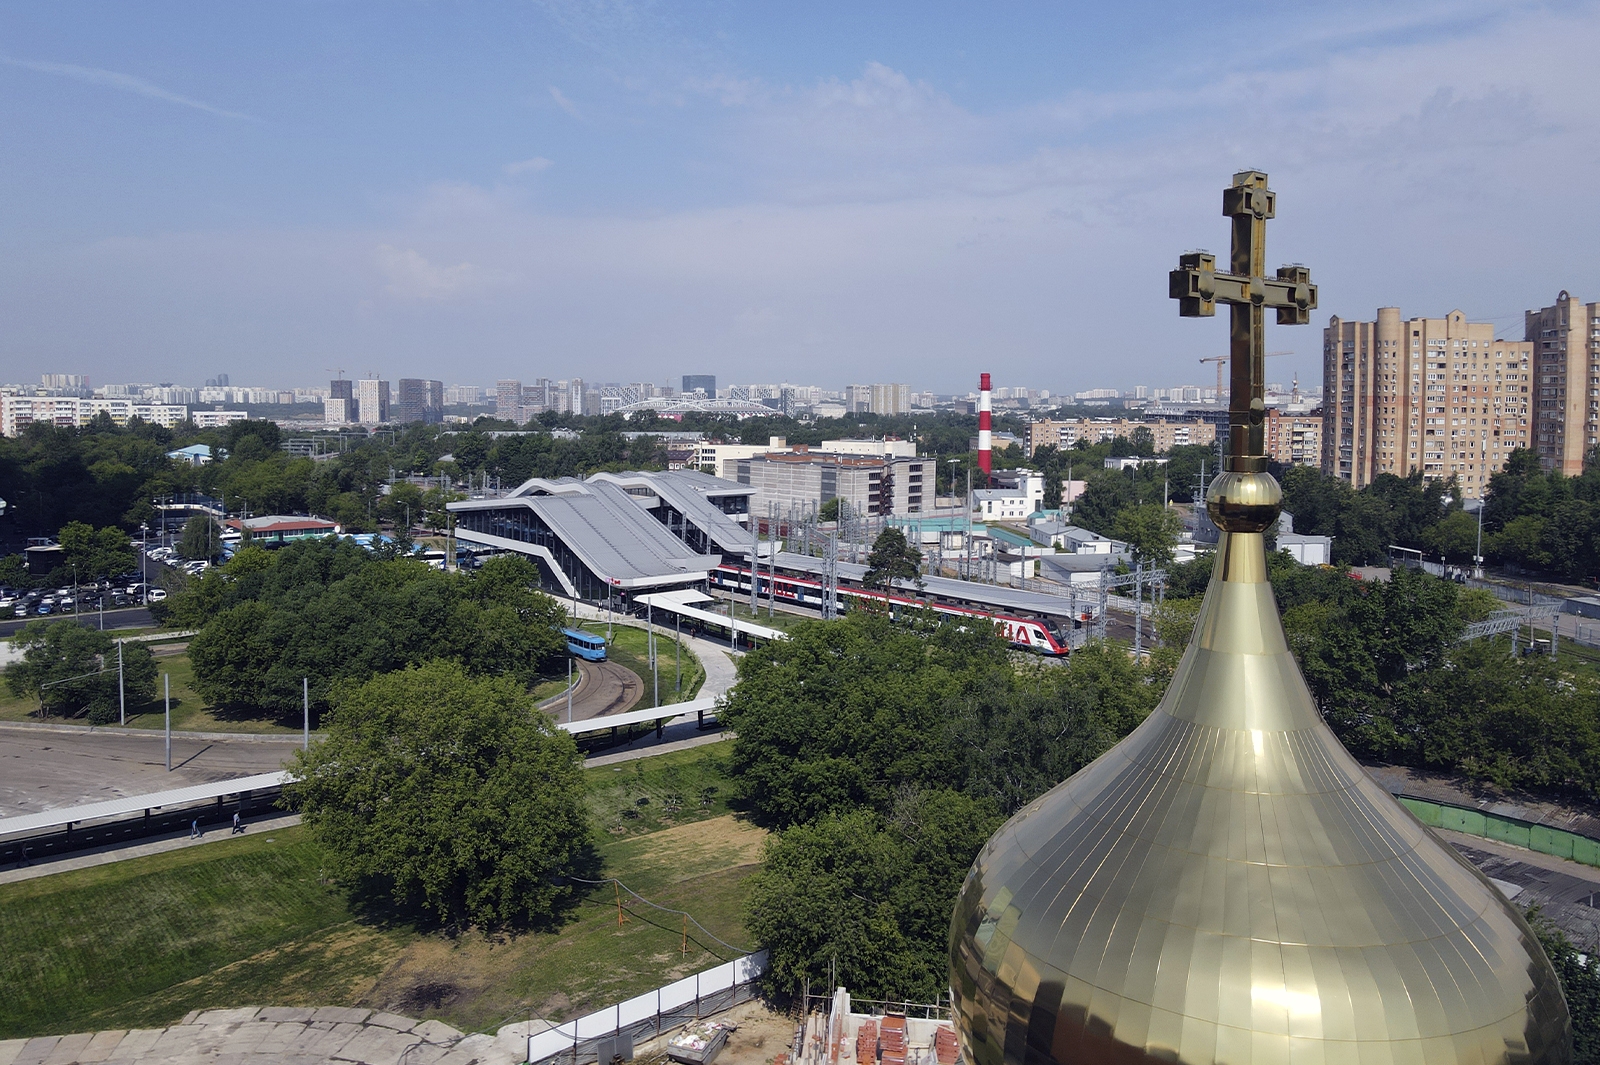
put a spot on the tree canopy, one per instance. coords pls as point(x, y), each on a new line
point(449, 797)
point(328, 611)
point(885, 754)
point(891, 560)
point(868, 897)
point(72, 670)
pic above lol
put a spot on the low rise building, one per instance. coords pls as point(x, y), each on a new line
point(872, 486)
point(216, 419)
point(275, 530)
point(19, 412)
point(1165, 433)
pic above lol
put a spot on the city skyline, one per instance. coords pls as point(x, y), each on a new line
point(922, 190)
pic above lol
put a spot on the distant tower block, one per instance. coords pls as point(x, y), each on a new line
point(985, 460)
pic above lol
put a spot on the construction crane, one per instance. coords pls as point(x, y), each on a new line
point(334, 369)
point(1222, 360)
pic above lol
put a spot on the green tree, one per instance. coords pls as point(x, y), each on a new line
point(867, 898)
point(1579, 973)
point(72, 670)
point(450, 798)
point(94, 553)
point(1150, 531)
point(201, 538)
point(1455, 536)
point(829, 511)
point(892, 559)
point(842, 714)
point(328, 611)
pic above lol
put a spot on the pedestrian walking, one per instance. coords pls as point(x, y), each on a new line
point(194, 829)
point(237, 827)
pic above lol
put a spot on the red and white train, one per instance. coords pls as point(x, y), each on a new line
point(1043, 635)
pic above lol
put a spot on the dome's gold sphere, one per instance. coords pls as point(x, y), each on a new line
point(1244, 502)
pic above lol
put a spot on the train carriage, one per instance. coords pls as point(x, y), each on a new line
point(1040, 635)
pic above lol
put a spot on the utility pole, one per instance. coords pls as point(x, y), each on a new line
point(755, 567)
point(166, 683)
point(122, 699)
point(677, 648)
point(1138, 610)
point(305, 709)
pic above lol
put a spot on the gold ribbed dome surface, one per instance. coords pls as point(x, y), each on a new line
point(1228, 885)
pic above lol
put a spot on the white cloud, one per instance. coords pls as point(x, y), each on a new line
point(535, 165)
point(412, 276)
point(886, 227)
point(112, 79)
point(562, 102)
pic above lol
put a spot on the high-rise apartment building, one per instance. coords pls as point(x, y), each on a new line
point(1437, 394)
point(419, 400)
point(342, 389)
point(372, 401)
point(1565, 338)
point(704, 382)
point(508, 400)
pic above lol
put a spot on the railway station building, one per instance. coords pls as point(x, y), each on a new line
point(590, 539)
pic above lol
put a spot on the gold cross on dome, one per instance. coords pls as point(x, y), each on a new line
point(1198, 288)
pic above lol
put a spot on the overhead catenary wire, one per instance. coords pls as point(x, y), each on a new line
point(664, 909)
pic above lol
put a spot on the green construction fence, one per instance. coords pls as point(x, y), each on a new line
point(1541, 838)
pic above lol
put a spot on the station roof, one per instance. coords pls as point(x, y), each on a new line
point(690, 493)
point(678, 606)
point(609, 533)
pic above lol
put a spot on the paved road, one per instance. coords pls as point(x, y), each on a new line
point(43, 769)
point(603, 688)
point(130, 618)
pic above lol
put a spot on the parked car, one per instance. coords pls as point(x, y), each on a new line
point(156, 595)
point(45, 607)
point(21, 610)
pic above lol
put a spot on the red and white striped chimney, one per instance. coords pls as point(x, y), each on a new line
point(984, 425)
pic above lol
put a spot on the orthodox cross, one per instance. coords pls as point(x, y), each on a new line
point(1198, 288)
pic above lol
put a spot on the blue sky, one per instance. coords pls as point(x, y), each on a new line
point(820, 193)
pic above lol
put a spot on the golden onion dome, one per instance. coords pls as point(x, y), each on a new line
point(1228, 885)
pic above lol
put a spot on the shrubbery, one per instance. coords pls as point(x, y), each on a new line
point(328, 611)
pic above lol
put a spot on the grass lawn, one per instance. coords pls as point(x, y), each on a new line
point(629, 649)
point(250, 921)
point(189, 709)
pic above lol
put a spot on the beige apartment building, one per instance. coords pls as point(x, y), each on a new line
point(1565, 339)
point(1294, 439)
point(1437, 394)
point(1167, 434)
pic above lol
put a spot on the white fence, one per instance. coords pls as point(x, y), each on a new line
point(650, 1014)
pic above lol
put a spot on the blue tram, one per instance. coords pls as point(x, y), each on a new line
point(585, 645)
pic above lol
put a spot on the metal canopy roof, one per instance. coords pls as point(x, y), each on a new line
point(689, 493)
point(132, 804)
point(615, 538)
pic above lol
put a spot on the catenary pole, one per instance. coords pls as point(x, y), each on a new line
point(122, 699)
point(166, 682)
point(305, 709)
